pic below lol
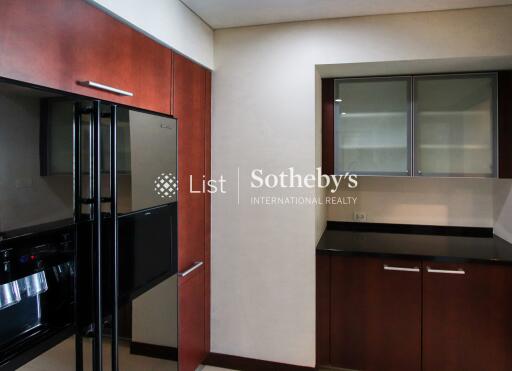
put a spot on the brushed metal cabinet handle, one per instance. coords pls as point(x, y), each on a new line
point(191, 269)
point(97, 85)
point(446, 271)
point(400, 269)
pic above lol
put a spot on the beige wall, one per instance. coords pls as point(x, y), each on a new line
point(264, 115)
point(417, 200)
point(503, 209)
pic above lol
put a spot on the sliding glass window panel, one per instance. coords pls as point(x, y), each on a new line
point(372, 125)
point(455, 125)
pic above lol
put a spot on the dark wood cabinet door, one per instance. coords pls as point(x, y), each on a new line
point(375, 314)
point(189, 108)
point(191, 328)
point(58, 43)
point(323, 309)
point(466, 317)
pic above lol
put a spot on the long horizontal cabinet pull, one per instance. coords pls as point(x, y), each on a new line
point(446, 271)
point(97, 85)
point(191, 269)
point(400, 269)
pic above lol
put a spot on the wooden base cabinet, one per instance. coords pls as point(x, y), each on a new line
point(375, 314)
point(466, 317)
point(406, 315)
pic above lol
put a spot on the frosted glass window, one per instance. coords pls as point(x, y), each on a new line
point(372, 121)
point(454, 125)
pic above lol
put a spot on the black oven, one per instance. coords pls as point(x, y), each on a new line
point(37, 291)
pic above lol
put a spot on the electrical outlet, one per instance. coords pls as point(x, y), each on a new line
point(359, 217)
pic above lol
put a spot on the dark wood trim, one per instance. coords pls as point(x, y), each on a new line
point(249, 364)
point(411, 229)
point(154, 351)
point(328, 126)
point(504, 124)
point(207, 209)
point(323, 310)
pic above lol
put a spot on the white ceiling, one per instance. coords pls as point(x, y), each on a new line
point(234, 13)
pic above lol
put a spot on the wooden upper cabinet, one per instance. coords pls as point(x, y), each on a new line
point(58, 43)
point(466, 317)
point(375, 314)
point(443, 125)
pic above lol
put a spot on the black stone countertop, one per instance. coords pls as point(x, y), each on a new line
point(457, 244)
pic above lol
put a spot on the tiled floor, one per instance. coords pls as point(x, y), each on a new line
point(62, 358)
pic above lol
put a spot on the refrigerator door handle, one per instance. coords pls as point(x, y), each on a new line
point(97, 234)
point(77, 176)
point(114, 237)
point(77, 161)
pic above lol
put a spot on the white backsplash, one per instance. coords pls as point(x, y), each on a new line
point(421, 200)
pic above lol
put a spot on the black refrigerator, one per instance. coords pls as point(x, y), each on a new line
point(88, 232)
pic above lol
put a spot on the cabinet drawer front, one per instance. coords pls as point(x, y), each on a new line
point(376, 313)
point(466, 317)
point(61, 43)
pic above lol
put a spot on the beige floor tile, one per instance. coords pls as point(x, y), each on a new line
point(62, 358)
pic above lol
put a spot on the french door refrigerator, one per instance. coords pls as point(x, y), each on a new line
point(88, 233)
